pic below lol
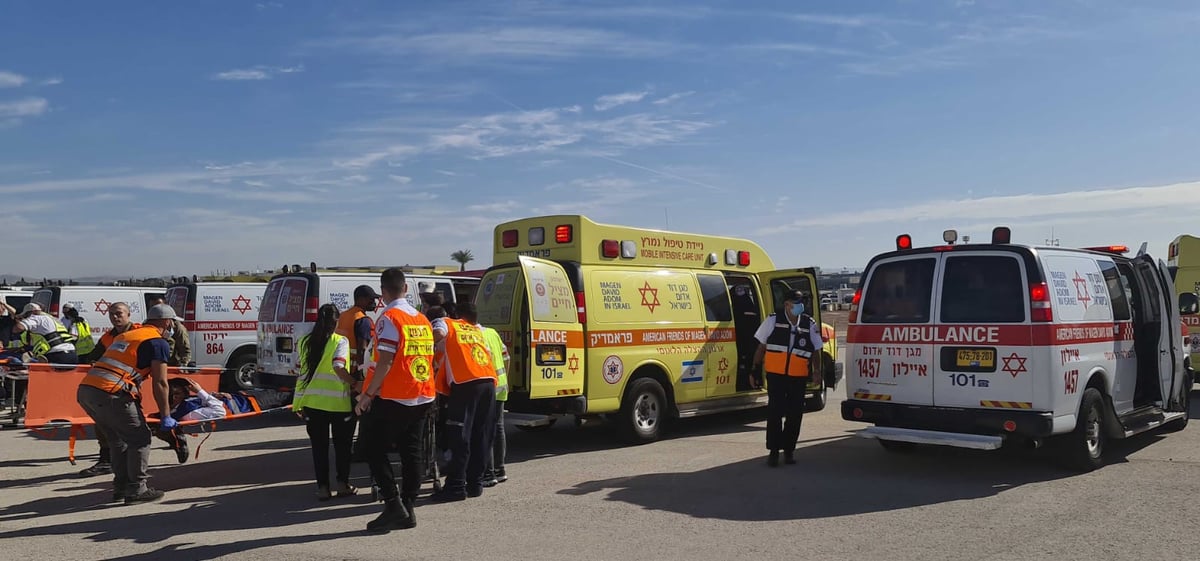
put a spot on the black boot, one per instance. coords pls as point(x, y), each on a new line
point(773, 458)
point(410, 504)
point(395, 517)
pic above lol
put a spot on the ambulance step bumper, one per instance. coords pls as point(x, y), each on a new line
point(957, 440)
point(986, 422)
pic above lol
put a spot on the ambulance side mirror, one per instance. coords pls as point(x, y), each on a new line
point(1189, 304)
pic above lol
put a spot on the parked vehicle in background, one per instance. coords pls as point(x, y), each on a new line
point(1183, 257)
point(222, 321)
point(16, 298)
point(93, 302)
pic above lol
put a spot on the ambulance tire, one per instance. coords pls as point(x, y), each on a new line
point(1083, 448)
point(643, 410)
point(240, 374)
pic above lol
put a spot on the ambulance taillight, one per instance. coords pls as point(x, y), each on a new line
point(1039, 304)
point(610, 249)
point(508, 238)
point(854, 305)
point(189, 311)
point(563, 233)
point(310, 308)
point(580, 307)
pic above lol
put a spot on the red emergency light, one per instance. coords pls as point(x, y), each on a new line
point(562, 233)
point(508, 238)
point(1001, 235)
point(1114, 249)
point(744, 258)
point(610, 248)
point(903, 242)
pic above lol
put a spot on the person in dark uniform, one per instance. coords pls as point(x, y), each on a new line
point(789, 347)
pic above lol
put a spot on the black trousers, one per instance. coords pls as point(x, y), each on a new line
point(470, 428)
point(396, 424)
point(320, 425)
point(785, 410)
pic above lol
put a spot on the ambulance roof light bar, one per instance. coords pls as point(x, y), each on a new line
point(1113, 249)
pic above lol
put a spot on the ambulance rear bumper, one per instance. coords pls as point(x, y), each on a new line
point(519, 402)
point(988, 422)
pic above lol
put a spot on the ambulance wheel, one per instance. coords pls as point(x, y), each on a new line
point(1083, 448)
point(240, 374)
point(897, 446)
point(643, 410)
point(1180, 424)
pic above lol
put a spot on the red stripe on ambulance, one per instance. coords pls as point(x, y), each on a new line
point(1000, 335)
point(221, 325)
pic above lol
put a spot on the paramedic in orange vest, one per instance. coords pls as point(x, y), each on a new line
point(398, 394)
point(788, 341)
point(118, 316)
point(110, 393)
point(465, 374)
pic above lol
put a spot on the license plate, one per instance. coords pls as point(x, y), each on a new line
point(552, 355)
point(283, 344)
point(978, 358)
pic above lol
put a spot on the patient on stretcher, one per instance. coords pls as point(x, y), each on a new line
point(190, 402)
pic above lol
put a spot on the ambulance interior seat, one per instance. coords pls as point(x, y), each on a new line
point(746, 319)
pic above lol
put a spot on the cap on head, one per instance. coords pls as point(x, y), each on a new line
point(365, 292)
point(160, 311)
point(30, 308)
point(794, 296)
point(68, 306)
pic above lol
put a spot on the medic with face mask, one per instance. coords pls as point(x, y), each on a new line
point(788, 343)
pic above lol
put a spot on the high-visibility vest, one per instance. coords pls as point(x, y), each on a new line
point(464, 355)
point(40, 344)
point(411, 374)
point(325, 391)
point(498, 351)
point(345, 328)
point(83, 337)
point(784, 357)
point(117, 370)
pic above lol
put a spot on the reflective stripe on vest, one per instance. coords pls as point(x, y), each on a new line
point(496, 348)
point(785, 356)
point(465, 353)
point(83, 337)
point(325, 391)
point(117, 370)
point(345, 328)
point(41, 344)
point(411, 374)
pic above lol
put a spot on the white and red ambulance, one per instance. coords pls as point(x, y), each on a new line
point(973, 345)
point(93, 302)
point(222, 322)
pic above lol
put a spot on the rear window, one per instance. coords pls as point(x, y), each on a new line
point(18, 301)
point(43, 298)
point(266, 310)
point(290, 308)
point(495, 299)
point(177, 299)
point(983, 289)
point(899, 292)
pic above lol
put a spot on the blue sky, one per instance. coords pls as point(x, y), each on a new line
point(183, 138)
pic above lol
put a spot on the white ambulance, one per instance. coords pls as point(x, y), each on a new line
point(289, 309)
point(222, 322)
point(16, 298)
point(976, 345)
point(93, 302)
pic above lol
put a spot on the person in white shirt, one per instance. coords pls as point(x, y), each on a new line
point(185, 407)
point(789, 352)
point(48, 339)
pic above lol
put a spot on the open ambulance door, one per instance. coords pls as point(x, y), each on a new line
point(555, 336)
point(1165, 317)
point(774, 284)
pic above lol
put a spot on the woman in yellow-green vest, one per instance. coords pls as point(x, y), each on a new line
point(323, 399)
point(493, 473)
point(78, 327)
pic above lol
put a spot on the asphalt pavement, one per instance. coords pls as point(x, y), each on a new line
point(578, 493)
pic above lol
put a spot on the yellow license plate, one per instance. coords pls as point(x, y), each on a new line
point(981, 358)
point(552, 354)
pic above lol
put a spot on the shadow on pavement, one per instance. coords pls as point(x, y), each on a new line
point(566, 438)
point(840, 478)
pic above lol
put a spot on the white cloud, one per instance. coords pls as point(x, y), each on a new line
point(497, 207)
point(256, 73)
point(51, 81)
point(672, 98)
point(28, 107)
point(371, 158)
point(401, 179)
point(606, 102)
point(11, 80)
point(1093, 205)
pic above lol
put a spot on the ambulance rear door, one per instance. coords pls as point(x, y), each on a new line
point(555, 339)
point(1166, 315)
point(890, 346)
point(983, 352)
point(499, 306)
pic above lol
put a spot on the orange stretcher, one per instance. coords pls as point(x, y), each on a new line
point(51, 403)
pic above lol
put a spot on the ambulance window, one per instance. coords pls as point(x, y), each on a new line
point(177, 299)
point(290, 307)
point(899, 292)
point(266, 310)
point(983, 289)
point(1116, 291)
point(716, 298)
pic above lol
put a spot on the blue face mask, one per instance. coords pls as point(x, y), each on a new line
point(797, 309)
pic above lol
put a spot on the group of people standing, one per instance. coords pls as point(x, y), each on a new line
point(386, 375)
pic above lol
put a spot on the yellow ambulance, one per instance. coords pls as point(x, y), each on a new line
point(1183, 259)
point(641, 326)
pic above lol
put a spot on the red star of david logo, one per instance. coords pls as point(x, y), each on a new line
point(649, 296)
point(722, 365)
point(102, 306)
point(241, 304)
point(1081, 290)
point(573, 363)
point(1014, 364)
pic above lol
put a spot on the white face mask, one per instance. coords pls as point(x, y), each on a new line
point(169, 332)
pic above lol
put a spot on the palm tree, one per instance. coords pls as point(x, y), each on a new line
point(462, 257)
